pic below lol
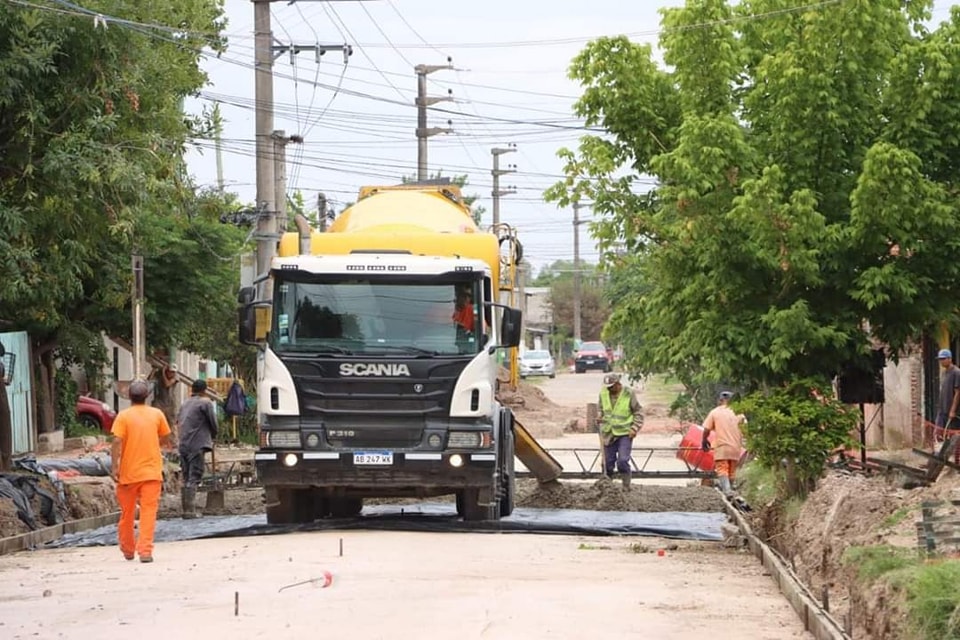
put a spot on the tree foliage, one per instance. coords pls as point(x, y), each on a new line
point(594, 305)
point(806, 168)
point(798, 425)
point(92, 138)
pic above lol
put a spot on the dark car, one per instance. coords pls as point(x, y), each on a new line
point(592, 355)
point(94, 414)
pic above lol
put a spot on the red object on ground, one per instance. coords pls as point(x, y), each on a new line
point(661, 552)
point(691, 452)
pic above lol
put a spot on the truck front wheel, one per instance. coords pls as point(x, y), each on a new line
point(345, 507)
point(292, 506)
point(468, 506)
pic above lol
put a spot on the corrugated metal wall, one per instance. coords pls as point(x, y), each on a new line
point(19, 391)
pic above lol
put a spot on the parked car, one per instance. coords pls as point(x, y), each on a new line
point(94, 414)
point(592, 355)
point(537, 363)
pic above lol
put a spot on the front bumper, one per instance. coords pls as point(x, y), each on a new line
point(544, 371)
point(591, 363)
point(410, 472)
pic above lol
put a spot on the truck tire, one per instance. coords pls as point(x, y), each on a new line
point(294, 506)
point(345, 507)
point(468, 505)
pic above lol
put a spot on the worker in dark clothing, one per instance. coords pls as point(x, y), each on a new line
point(197, 421)
point(6, 424)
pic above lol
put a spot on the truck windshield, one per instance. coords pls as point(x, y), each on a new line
point(369, 317)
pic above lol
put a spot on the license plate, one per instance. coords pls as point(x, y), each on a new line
point(372, 457)
point(590, 361)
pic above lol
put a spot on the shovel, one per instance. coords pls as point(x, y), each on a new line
point(215, 503)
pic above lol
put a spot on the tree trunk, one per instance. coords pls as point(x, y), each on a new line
point(46, 413)
point(795, 486)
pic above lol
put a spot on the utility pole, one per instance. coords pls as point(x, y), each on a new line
point(322, 211)
point(496, 152)
point(139, 331)
point(218, 133)
point(266, 233)
point(423, 101)
point(268, 208)
point(280, 142)
point(576, 273)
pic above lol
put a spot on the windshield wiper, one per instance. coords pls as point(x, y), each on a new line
point(404, 349)
point(319, 350)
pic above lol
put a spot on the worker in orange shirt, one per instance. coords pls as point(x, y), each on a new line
point(728, 447)
point(463, 313)
point(137, 468)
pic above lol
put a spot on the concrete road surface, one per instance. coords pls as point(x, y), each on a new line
point(394, 586)
point(573, 389)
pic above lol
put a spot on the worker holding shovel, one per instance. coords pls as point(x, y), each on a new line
point(197, 422)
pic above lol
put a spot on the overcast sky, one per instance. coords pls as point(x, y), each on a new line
point(510, 86)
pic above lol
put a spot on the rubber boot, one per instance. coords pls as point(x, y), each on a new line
point(188, 502)
point(626, 480)
point(723, 483)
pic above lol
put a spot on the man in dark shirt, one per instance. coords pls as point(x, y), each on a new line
point(949, 392)
point(197, 421)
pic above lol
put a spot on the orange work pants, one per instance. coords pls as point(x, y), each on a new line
point(147, 493)
point(726, 468)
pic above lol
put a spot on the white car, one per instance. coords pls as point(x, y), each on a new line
point(537, 363)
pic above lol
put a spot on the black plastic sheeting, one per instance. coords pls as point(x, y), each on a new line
point(433, 517)
point(95, 465)
point(21, 489)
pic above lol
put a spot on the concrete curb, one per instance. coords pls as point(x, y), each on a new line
point(34, 539)
point(815, 619)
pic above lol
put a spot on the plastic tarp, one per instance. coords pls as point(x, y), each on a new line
point(21, 489)
point(95, 465)
point(434, 517)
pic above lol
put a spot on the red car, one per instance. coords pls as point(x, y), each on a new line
point(592, 355)
point(95, 414)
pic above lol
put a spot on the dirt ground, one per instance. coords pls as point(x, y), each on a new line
point(396, 585)
point(610, 496)
point(854, 510)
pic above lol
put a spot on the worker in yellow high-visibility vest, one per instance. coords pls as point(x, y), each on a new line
point(620, 419)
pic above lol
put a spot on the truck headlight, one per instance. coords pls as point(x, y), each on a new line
point(290, 460)
point(283, 439)
point(464, 440)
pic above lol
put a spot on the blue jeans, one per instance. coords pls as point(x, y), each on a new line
point(617, 453)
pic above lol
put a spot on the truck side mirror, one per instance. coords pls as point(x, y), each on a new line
point(253, 318)
point(246, 295)
point(511, 328)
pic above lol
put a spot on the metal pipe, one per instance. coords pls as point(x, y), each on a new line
point(303, 226)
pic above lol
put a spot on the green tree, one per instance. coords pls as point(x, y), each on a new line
point(806, 170)
point(594, 305)
point(92, 135)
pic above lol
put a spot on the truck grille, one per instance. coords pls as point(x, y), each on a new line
point(388, 437)
point(425, 393)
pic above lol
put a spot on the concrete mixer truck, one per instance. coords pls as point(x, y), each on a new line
point(377, 360)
